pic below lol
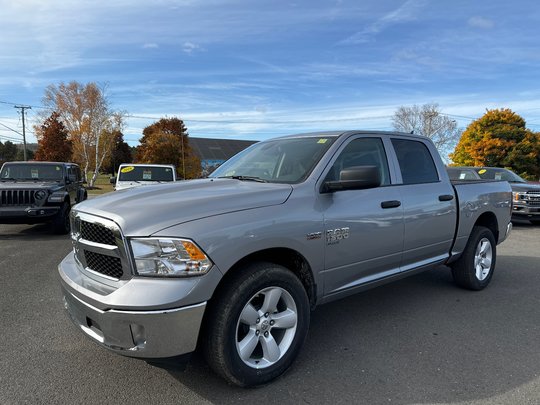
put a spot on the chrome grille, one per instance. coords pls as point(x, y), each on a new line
point(108, 265)
point(533, 198)
point(97, 233)
point(99, 246)
point(17, 197)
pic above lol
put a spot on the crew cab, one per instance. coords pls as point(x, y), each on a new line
point(233, 264)
point(36, 192)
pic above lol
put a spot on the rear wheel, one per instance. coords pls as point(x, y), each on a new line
point(60, 223)
point(474, 269)
point(257, 325)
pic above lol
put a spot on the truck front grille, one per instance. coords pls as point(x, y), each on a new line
point(97, 233)
point(17, 197)
point(107, 265)
point(533, 198)
point(99, 246)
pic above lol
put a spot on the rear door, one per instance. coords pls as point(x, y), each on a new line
point(429, 205)
point(364, 228)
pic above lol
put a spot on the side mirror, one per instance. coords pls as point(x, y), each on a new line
point(112, 180)
point(354, 178)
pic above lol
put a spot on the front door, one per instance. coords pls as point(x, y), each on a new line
point(364, 228)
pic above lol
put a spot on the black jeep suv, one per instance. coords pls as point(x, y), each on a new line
point(34, 192)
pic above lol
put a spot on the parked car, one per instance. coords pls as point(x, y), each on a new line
point(235, 262)
point(134, 175)
point(526, 194)
point(35, 192)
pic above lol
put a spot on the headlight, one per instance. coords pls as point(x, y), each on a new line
point(518, 196)
point(56, 197)
point(168, 257)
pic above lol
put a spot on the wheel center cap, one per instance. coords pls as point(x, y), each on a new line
point(264, 325)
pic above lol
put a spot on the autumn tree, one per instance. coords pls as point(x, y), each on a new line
point(166, 142)
point(53, 140)
point(121, 153)
point(428, 121)
point(500, 138)
point(84, 110)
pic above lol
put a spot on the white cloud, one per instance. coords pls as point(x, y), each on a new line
point(150, 45)
point(406, 12)
point(481, 22)
point(190, 47)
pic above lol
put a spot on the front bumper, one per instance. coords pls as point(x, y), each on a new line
point(522, 210)
point(23, 215)
point(143, 334)
point(140, 317)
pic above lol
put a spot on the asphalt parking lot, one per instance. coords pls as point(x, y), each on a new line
point(417, 341)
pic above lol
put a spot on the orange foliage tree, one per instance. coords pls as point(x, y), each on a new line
point(53, 140)
point(166, 142)
point(500, 138)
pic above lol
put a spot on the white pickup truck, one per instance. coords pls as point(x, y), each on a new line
point(233, 263)
point(134, 175)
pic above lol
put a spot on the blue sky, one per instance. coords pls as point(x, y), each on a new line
point(258, 69)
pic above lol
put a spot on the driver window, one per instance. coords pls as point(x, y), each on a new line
point(361, 152)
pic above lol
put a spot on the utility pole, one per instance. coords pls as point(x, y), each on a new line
point(22, 108)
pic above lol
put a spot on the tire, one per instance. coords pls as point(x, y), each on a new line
point(474, 269)
point(257, 325)
point(60, 223)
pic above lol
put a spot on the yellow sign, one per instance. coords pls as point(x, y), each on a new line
point(482, 171)
point(322, 140)
point(127, 169)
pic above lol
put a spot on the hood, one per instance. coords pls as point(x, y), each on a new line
point(29, 185)
point(523, 187)
point(142, 211)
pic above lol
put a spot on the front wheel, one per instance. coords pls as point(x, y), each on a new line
point(257, 325)
point(474, 269)
point(60, 223)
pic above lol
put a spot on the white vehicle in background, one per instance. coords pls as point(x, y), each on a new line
point(134, 175)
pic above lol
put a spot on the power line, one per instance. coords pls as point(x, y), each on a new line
point(11, 129)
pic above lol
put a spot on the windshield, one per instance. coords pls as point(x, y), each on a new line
point(145, 173)
point(494, 173)
point(32, 172)
point(286, 160)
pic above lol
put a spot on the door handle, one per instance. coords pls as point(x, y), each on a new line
point(446, 197)
point(390, 204)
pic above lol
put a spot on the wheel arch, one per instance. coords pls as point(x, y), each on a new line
point(489, 220)
point(286, 257)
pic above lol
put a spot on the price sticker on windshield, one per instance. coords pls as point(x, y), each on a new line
point(322, 140)
point(34, 173)
point(127, 169)
point(147, 175)
point(482, 171)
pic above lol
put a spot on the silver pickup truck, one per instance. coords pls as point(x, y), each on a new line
point(234, 263)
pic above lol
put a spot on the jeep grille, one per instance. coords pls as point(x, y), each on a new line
point(17, 197)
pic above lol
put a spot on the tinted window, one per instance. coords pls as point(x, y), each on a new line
point(32, 172)
point(361, 152)
point(415, 162)
point(498, 174)
point(145, 173)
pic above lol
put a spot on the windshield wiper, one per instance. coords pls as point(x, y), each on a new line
point(245, 178)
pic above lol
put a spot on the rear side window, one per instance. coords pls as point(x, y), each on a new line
point(415, 162)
